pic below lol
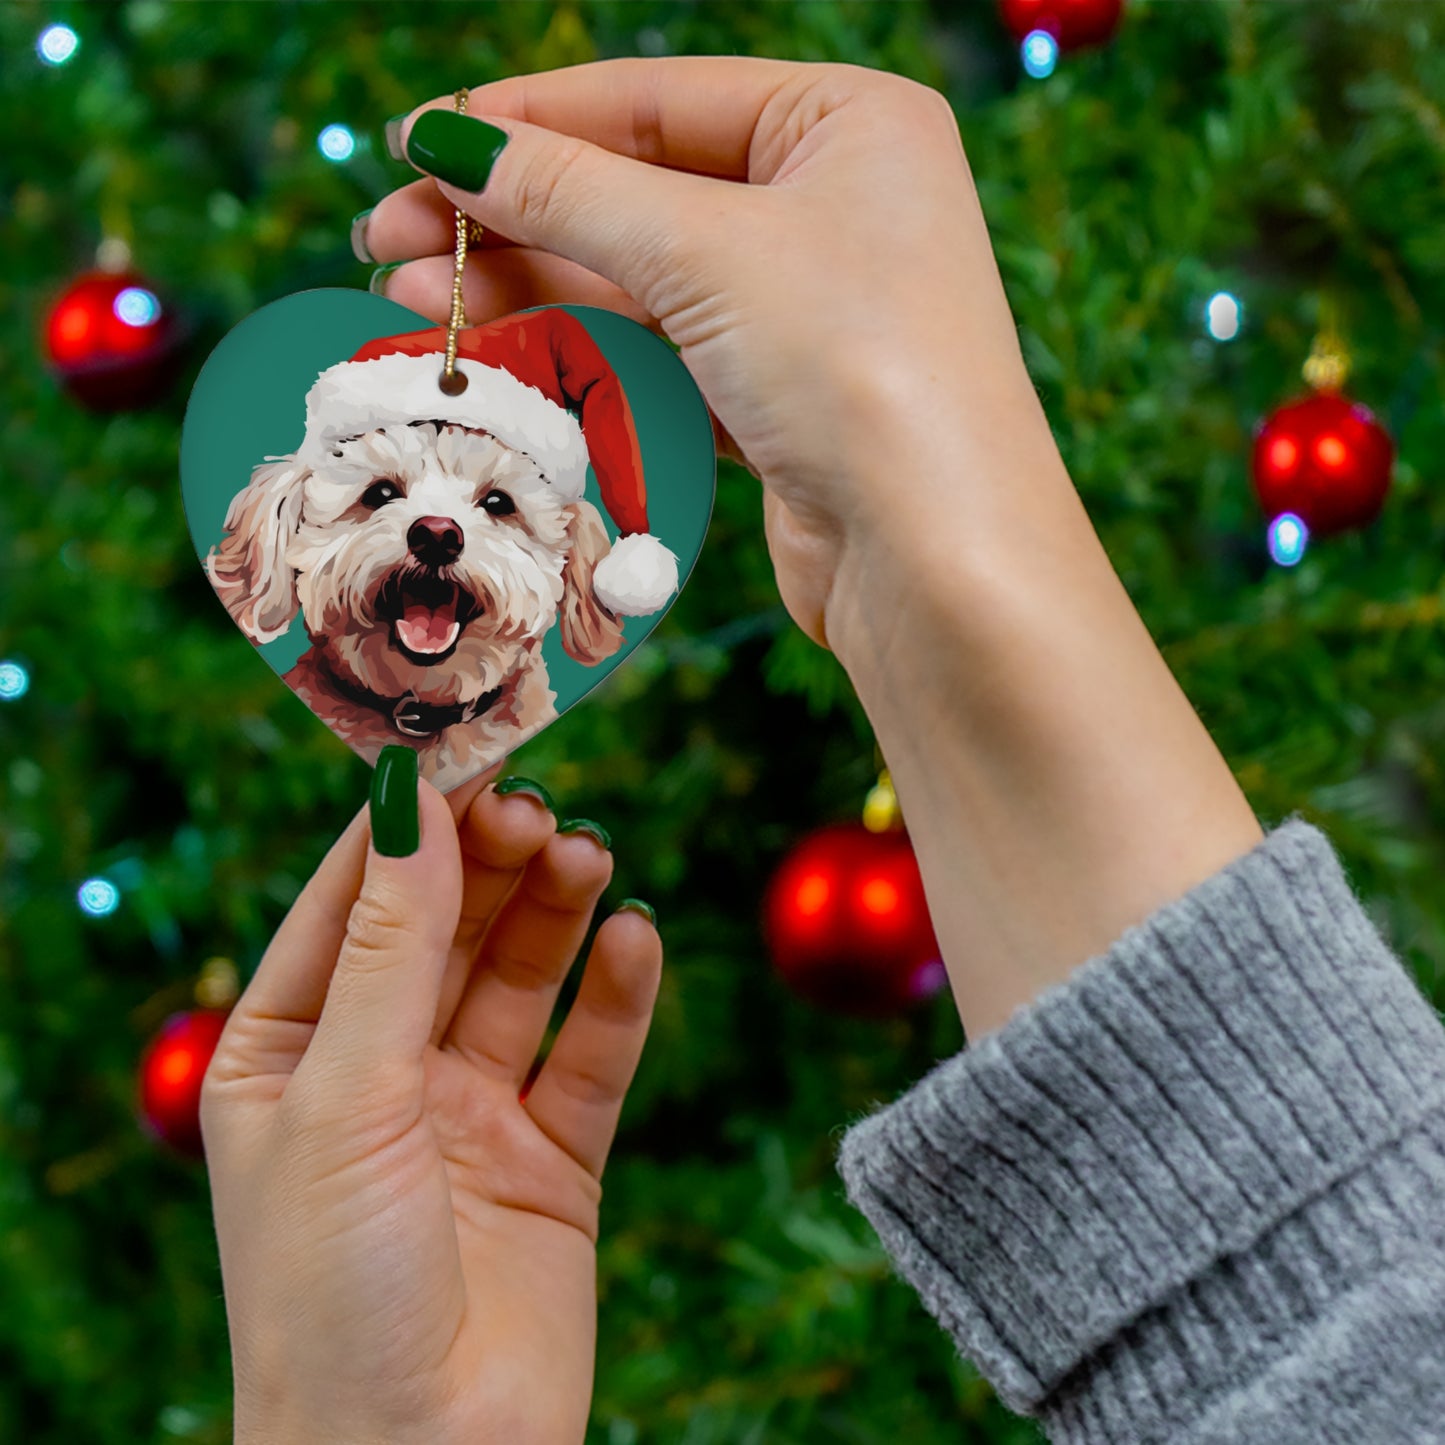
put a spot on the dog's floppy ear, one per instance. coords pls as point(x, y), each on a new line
point(589, 631)
point(248, 570)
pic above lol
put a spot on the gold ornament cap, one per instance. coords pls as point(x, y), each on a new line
point(881, 813)
point(219, 985)
point(1328, 366)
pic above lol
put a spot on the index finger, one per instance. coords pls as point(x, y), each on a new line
point(292, 979)
point(290, 983)
point(696, 113)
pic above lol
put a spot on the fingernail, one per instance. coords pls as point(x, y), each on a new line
point(393, 137)
point(395, 825)
point(359, 248)
point(586, 825)
point(636, 905)
point(525, 785)
point(455, 148)
point(379, 278)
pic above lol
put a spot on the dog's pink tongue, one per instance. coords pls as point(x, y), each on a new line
point(428, 629)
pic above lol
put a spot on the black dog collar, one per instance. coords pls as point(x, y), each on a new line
point(411, 716)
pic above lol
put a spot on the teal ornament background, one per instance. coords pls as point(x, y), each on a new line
point(249, 403)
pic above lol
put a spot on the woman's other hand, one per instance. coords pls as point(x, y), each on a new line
point(407, 1245)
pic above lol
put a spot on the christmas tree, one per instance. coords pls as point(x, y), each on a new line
point(1212, 162)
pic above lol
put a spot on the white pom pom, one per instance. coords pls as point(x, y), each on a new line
point(636, 577)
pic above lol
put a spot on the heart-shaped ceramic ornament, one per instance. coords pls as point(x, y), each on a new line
point(446, 569)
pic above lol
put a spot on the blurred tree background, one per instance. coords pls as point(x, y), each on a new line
point(1291, 154)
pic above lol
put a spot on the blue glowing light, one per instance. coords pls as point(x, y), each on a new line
point(98, 897)
point(1040, 52)
point(1288, 538)
point(57, 44)
point(336, 143)
point(1223, 316)
point(137, 307)
point(14, 681)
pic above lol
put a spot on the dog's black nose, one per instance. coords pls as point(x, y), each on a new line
point(434, 540)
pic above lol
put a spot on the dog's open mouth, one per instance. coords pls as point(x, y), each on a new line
point(427, 613)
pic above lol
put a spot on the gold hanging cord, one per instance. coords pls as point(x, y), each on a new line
point(452, 381)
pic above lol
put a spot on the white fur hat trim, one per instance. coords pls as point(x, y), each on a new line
point(360, 396)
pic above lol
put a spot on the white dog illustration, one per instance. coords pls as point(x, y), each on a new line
point(429, 554)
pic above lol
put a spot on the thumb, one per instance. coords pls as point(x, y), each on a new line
point(382, 1000)
point(632, 223)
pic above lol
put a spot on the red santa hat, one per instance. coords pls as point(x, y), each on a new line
point(525, 376)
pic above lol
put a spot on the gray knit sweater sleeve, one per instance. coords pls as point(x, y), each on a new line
point(1197, 1191)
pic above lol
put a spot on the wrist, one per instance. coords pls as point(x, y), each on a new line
point(1057, 784)
point(948, 466)
point(267, 1429)
point(946, 531)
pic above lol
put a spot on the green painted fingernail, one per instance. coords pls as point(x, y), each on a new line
point(636, 905)
point(395, 824)
point(455, 148)
point(586, 825)
point(379, 278)
point(526, 785)
point(359, 248)
point(393, 136)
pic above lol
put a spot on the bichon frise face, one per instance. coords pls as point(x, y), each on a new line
point(427, 562)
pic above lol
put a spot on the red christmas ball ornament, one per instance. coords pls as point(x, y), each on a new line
point(111, 341)
point(1073, 23)
point(847, 923)
point(1326, 459)
point(171, 1071)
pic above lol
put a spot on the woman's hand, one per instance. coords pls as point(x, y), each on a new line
point(809, 237)
point(407, 1246)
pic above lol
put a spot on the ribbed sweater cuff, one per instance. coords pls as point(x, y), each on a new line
point(1143, 1166)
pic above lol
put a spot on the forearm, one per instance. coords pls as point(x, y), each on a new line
point(1056, 782)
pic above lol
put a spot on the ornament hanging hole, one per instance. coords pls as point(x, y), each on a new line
point(453, 385)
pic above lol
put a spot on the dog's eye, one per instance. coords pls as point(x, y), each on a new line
point(499, 504)
point(378, 494)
